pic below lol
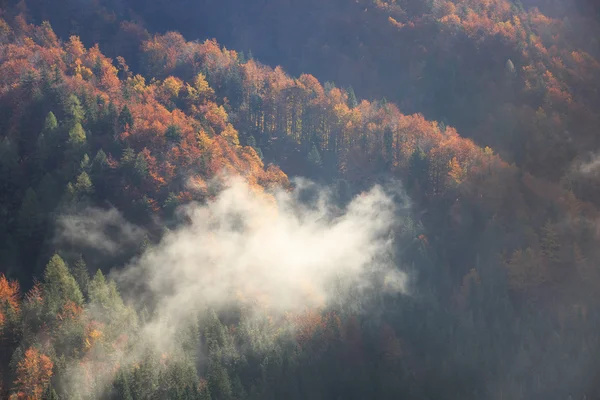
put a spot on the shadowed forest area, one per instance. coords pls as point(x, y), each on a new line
point(371, 199)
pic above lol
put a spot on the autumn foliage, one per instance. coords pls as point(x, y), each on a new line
point(33, 375)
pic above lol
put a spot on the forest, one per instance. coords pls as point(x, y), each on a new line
point(370, 199)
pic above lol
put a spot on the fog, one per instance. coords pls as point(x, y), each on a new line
point(277, 253)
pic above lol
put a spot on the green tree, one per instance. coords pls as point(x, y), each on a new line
point(125, 119)
point(77, 144)
point(50, 123)
point(77, 138)
point(171, 204)
point(74, 111)
point(388, 144)
point(83, 185)
point(121, 389)
point(314, 157)
point(85, 163)
point(50, 394)
point(352, 101)
point(204, 393)
point(218, 379)
point(108, 307)
point(48, 140)
point(173, 134)
point(510, 68)
point(81, 274)
point(59, 286)
point(128, 157)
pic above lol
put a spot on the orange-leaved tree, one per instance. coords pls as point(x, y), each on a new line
point(33, 375)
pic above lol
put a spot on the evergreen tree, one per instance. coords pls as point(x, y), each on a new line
point(204, 393)
point(50, 124)
point(59, 286)
point(125, 119)
point(85, 163)
point(388, 145)
point(74, 111)
point(173, 134)
point(50, 393)
point(352, 101)
point(100, 163)
point(314, 157)
point(510, 68)
point(48, 140)
point(77, 136)
point(77, 144)
point(83, 186)
point(121, 389)
point(219, 382)
point(171, 204)
point(81, 275)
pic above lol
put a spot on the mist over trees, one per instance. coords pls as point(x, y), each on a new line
point(160, 240)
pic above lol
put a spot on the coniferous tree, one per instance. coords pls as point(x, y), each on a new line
point(59, 286)
point(352, 101)
point(125, 119)
point(219, 382)
point(50, 393)
point(121, 389)
point(81, 274)
point(314, 157)
point(48, 140)
point(83, 186)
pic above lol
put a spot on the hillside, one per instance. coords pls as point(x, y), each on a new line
point(506, 74)
point(153, 247)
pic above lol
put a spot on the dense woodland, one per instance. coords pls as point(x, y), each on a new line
point(484, 112)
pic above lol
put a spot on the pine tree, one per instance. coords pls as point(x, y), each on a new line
point(219, 382)
point(48, 140)
point(352, 101)
point(204, 393)
point(388, 144)
point(50, 124)
point(125, 119)
point(85, 163)
point(81, 274)
point(173, 134)
point(510, 68)
point(121, 389)
point(59, 286)
point(83, 186)
point(77, 136)
point(100, 163)
point(314, 158)
point(74, 111)
point(50, 394)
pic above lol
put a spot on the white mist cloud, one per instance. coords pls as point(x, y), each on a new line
point(103, 230)
point(273, 254)
point(276, 255)
point(592, 166)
